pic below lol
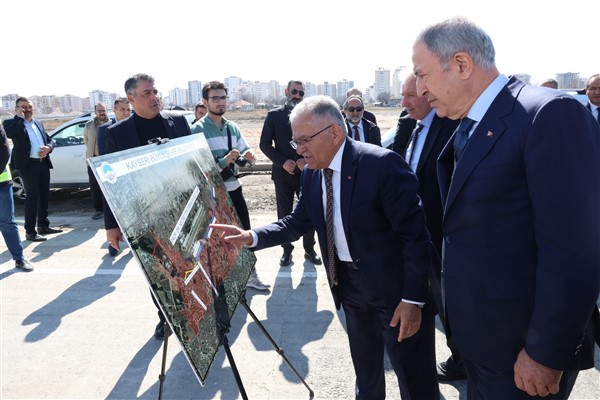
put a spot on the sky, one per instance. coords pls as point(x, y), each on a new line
point(58, 47)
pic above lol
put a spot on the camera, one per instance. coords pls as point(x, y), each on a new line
point(241, 161)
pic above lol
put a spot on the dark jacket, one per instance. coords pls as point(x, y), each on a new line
point(15, 130)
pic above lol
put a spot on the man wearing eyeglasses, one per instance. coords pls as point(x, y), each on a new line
point(230, 150)
point(287, 166)
point(359, 128)
point(362, 200)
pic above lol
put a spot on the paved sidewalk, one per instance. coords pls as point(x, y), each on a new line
point(80, 327)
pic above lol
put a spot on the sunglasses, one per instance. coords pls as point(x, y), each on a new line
point(295, 92)
point(352, 109)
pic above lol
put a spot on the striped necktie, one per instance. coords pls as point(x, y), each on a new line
point(328, 175)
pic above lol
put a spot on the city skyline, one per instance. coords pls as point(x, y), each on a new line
point(323, 41)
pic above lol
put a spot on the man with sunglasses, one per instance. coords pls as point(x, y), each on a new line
point(359, 128)
point(362, 200)
point(287, 166)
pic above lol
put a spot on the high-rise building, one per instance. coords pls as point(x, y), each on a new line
point(177, 97)
point(100, 96)
point(194, 92)
point(568, 80)
point(9, 101)
point(70, 103)
point(397, 82)
point(382, 82)
point(233, 84)
point(342, 88)
point(327, 89)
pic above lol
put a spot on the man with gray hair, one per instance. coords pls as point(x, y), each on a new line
point(521, 231)
point(148, 123)
point(362, 200)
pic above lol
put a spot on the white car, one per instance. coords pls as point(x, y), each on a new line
point(68, 156)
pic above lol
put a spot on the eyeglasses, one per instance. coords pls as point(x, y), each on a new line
point(216, 99)
point(304, 141)
point(295, 92)
point(352, 109)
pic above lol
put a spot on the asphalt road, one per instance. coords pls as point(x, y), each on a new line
point(80, 327)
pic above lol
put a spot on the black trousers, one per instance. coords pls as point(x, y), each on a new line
point(95, 190)
point(36, 179)
point(284, 196)
point(369, 333)
point(239, 203)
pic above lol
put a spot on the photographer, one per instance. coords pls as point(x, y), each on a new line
point(230, 150)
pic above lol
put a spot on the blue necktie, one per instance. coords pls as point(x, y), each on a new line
point(461, 137)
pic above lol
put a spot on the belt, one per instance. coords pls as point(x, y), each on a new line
point(348, 264)
point(40, 159)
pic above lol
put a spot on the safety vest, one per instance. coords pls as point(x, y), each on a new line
point(5, 175)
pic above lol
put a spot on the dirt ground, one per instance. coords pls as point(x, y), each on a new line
point(258, 188)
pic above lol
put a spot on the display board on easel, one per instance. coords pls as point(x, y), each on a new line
point(164, 196)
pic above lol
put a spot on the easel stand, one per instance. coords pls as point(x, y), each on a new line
point(161, 377)
point(236, 373)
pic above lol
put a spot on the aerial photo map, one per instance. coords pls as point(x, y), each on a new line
point(164, 196)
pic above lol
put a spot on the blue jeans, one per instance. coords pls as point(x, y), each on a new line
point(8, 226)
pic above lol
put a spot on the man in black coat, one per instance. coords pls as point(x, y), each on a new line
point(31, 156)
point(359, 128)
point(148, 123)
point(287, 166)
point(421, 151)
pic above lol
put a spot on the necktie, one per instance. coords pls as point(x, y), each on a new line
point(328, 174)
point(461, 137)
point(356, 133)
point(412, 141)
point(598, 114)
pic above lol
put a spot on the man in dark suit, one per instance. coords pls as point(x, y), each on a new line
point(359, 128)
point(287, 166)
point(122, 110)
point(148, 123)
point(592, 90)
point(368, 115)
point(30, 155)
point(521, 231)
point(362, 200)
point(421, 152)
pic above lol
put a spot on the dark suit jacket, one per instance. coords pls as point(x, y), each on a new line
point(406, 125)
point(101, 136)
point(383, 222)
point(429, 188)
point(275, 143)
point(369, 116)
point(372, 131)
point(522, 227)
point(15, 130)
point(124, 135)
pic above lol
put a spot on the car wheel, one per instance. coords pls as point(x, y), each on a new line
point(18, 187)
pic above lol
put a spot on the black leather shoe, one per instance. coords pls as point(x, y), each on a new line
point(313, 257)
point(450, 370)
point(286, 259)
point(46, 230)
point(34, 237)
